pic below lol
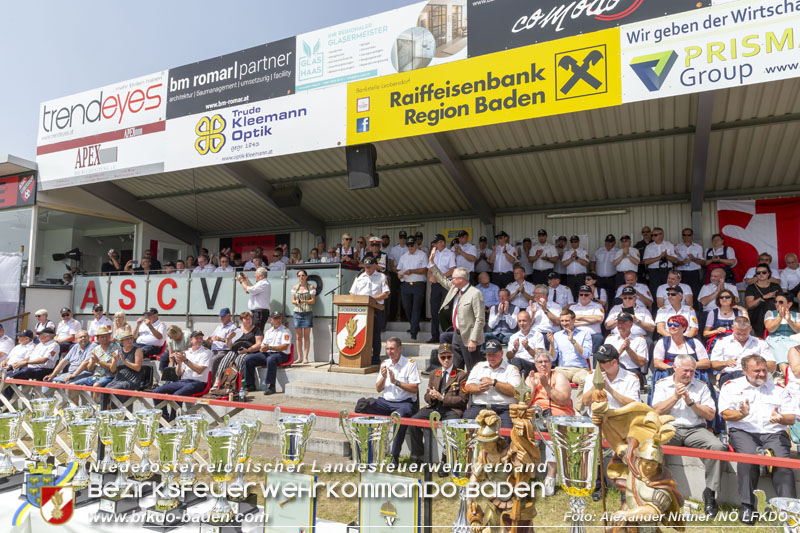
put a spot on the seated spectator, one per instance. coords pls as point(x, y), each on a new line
point(675, 306)
point(728, 352)
point(781, 324)
point(20, 352)
point(489, 290)
point(66, 330)
point(155, 264)
point(521, 291)
point(676, 342)
point(673, 280)
point(169, 267)
point(204, 266)
point(246, 340)
point(491, 384)
point(712, 289)
point(589, 315)
point(523, 345)
point(224, 265)
point(190, 264)
point(66, 279)
point(760, 298)
point(178, 340)
point(719, 322)
point(446, 395)
point(250, 263)
point(129, 366)
point(181, 268)
point(256, 263)
point(551, 391)
point(641, 291)
point(643, 324)
point(100, 320)
point(39, 363)
point(77, 358)
point(544, 313)
point(758, 412)
point(218, 339)
point(790, 276)
point(570, 349)
point(331, 255)
point(102, 362)
point(6, 344)
point(42, 322)
point(295, 258)
point(193, 368)
point(152, 337)
point(599, 295)
point(237, 263)
point(275, 350)
point(558, 293)
point(502, 321)
point(398, 381)
point(277, 263)
point(112, 266)
point(120, 325)
point(313, 256)
point(145, 268)
point(632, 349)
point(689, 401)
point(750, 276)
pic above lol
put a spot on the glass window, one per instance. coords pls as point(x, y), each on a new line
point(16, 224)
point(69, 241)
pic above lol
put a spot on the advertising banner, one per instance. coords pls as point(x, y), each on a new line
point(412, 37)
point(504, 24)
point(752, 227)
point(563, 76)
point(89, 291)
point(251, 75)
point(17, 191)
point(296, 123)
point(729, 45)
point(109, 133)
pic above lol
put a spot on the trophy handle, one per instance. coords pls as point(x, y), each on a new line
point(277, 414)
point(226, 419)
point(343, 416)
point(434, 419)
point(395, 425)
point(312, 420)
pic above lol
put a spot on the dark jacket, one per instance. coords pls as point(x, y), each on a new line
point(455, 397)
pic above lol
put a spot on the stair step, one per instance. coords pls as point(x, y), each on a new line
point(326, 442)
point(340, 393)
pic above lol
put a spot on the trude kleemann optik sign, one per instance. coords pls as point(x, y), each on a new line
point(573, 74)
point(729, 45)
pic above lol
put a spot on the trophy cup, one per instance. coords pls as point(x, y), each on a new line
point(83, 433)
point(787, 509)
point(123, 433)
point(148, 424)
point(44, 436)
point(245, 502)
point(195, 425)
point(369, 436)
point(10, 425)
point(43, 407)
point(223, 451)
point(460, 445)
point(104, 430)
point(76, 412)
point(171, 442)
point(294, 431)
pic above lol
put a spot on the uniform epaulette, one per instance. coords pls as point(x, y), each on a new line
point(781, 385)
point(662, 379)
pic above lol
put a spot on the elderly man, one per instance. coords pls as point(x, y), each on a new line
point(603, 264)
point(758, 413)
point(558, 293)
point(576, 261)
point(445, 395)
point(463, 310)
point(491, 384)
point(99, 320)
point(258, 296)
point(632, 349)
point(689, 401)
point(153, 336)
point(489, 290)
point(398, 381)
point(790, 276)
point(193, 368)
point(674, 280)
point(523, 344)
point(675, 306)
point(445, 261)
point(571, 348)
point(521, 291)
point(224, 264)
point(77, 358)
point(690, 260)
point(102, 362)
point(708, 294)
point(412, 269)
point(502, 319)
point(728, 352)
point(542, 256)
point(640, 290)
point(373, 283)
point(39, 363)
point(21, 351)
point(589, 315)
point(544, 312)
point(66, 330)
point(275, 350)
point(204, 266)
point(643, 324)
point(658, 257)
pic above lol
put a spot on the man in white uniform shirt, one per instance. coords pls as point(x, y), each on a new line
point(576, 261)
point(523, 258)
point(66, 330)
point(674, 278)
point(558, 267)
point(690, 260)
point(632, 349)
point(728, 352)
point(6, 344)
point(589, 315)
point(412, 269)
point(758, 413)
point(544, 312)
point(643, 324)
point(445, 261)
point(558, 293)
point(542, 256)
point(675, 306)
point(491, 384)
point(522, 345)
point(275, 350)
point(790, 276)
point(466, 254)
point(658, 257)
point(203, 266)
point(150, 333)
point(21, 351)
point(502, 260)
point(641, 290)
point(373, 283)
point(258, 296)
point(40, 362)
point(626, 258)
point(193, 367)
point(502, 321)
point(521, 291)
point(98, 321)
point(602, 264)
point(710, 291)
point(689, 401)
point(398, 381)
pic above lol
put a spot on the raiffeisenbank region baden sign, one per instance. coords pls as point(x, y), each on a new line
point(431, 66)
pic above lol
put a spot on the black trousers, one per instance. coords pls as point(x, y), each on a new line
point(437, 297)
point(501, 409)
point(260, 317)
point(377, 328)
point(415, 433)
point(692, 279)
point(574, 282)
point(610, 285)
point(502, 279)
point(463, 358)
point(747, 474)
point(540, 276)
point(525, 367)
point(394, 309)
point(658, 277)
point(413, 295)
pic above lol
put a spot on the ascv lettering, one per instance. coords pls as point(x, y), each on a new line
point(722, 52)
point(251, 123)
point(168, 291)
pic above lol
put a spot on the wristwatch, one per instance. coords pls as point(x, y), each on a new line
point(494, 384)
point(689, 404)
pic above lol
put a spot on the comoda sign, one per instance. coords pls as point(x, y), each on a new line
point(563, 76)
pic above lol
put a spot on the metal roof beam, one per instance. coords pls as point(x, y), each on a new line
point(460, 175)
point(127, 202)
point(702, 139)
point(256, 183)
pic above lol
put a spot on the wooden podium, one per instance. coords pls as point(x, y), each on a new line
point(354, 325)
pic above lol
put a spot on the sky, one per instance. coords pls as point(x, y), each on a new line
point(52, 48)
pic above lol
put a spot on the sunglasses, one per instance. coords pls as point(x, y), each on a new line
point(585, 294)
point(445, 357)
point(673, 294)
point(687, 234)
point(762, 272)
point(348, 239)
point(725, 297)
point(657, 234)
point(64, 314)
point(673, 325)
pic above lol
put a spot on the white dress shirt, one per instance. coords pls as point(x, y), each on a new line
point(6, 345)
point(405, 371)
point(370, 285)
point(519, 300)
point(661, 292)
point(468, 249)
point(524, 262)
point(654, 250)
point(682, 252)
point(49, 350)
point(209, 268)
point(626, 264)
point(548, 250)
point(504, 373)
point(729, 348)
point(640, 288)
point(640, 312)
point(685, 417)
point(763, 401)
point(444, 261)
point(593, 309)
point(258, 293)
point(685, 311)
point(222, 332)
point(575, 267)
point(412, 262)
point(66, 329)
point(626, 384)
point(95, 324)
point(224, 269)
point(147, 337)
point(637, 344)
point(790, 278)
point(709, 289)
point(278, 337)
point(501, 262)
point(561, 295)
point(200, 357)
point(604, 262)
point(542, 322)
point(509, 318)
point(20, 352)
point(535, 340)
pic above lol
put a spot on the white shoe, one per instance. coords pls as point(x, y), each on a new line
point(549, 486)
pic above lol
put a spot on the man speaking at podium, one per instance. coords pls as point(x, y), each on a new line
point(373, 283)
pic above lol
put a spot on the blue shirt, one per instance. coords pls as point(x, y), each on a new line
point(75, 356)
point(490, 296)
point(566, 354)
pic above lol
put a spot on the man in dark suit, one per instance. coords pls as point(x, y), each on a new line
point(445, 395)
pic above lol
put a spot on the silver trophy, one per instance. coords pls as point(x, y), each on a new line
point(123, 434)
point(576, 445)
point(195, 426)
point(148, 424)
point(83, 433)
point(369, 436)
point(250, 431)
point(10, 425)
point(105, 418)
point(43, 407)
point(294, 432)
point(44, 437)
point(76, 412)
point(224, 446)
point(788, 510)
point(460, 445)
point(171, 442)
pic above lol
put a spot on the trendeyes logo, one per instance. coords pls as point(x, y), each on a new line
point(653, 69)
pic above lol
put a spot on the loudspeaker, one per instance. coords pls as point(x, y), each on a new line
point(361, 166)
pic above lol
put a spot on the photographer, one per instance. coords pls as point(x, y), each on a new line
point(113, 266)
point(259, 296)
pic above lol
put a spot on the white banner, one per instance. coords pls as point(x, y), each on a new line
point(10, 270)
point(729, 45)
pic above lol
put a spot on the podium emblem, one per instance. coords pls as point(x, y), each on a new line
point(57, 504)
point(351, 332)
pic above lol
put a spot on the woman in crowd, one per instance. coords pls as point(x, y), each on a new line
point(720, 256)
point(598, 295)
point(120, 325)
point(42, 322)
point(782, 323)
point(361, 248)
point(760, 298)
point(294, 257)
point(304, 295)
point(177, 341)
point(719, 322)
point(676, 343)
point(190, 264)
point(129, 366)
point(347, 253)
point(247, 340)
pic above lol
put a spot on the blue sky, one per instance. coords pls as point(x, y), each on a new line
point(52, 48)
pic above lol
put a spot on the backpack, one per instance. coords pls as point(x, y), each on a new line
point(228, 385)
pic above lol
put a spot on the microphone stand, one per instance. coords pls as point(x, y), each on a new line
point(331, 293)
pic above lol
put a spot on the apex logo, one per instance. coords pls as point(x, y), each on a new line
point(653, 69)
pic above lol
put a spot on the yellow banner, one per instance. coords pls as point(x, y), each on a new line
point(571, 74)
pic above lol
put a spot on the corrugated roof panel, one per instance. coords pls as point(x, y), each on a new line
point(303, 164)
point(760, 100)
point(182, 180)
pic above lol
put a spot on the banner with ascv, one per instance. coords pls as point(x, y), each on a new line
point(563, 76)
point(16, 191)
point(411, 37)
point(258, 73)
point(724, 46)
point(103, 134)
point(296, 123)
point(504, 24)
